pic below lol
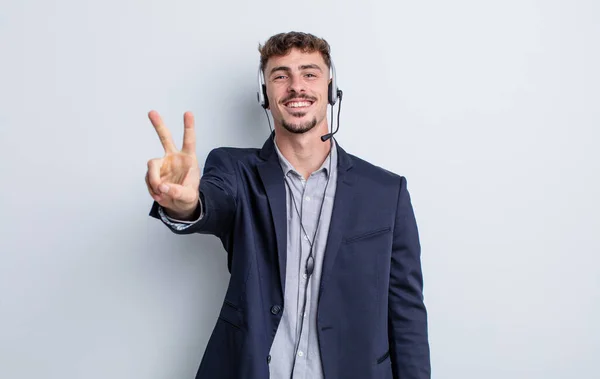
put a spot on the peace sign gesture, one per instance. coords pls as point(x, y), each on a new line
point(173, 180)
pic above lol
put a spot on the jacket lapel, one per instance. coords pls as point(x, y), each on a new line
point(344, 198)
point(271, 175)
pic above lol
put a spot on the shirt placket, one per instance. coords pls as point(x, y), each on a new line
point(309, 214)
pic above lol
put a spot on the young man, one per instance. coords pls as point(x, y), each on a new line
point(323, 247)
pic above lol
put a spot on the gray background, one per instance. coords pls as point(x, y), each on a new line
point(490, 109)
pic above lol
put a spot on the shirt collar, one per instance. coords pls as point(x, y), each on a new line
point(287, 166)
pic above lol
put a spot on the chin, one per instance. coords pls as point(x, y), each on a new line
point(299, 127)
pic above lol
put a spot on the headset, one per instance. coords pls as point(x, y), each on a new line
point(334, 93)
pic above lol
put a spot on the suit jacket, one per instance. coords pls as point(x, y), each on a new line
point(372, 321)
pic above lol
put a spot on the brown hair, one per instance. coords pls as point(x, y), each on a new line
point(280, 44)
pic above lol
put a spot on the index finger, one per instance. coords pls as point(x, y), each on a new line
point(189, 134)
point(163, 132)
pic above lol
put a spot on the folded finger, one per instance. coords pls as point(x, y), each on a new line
point(153, 175)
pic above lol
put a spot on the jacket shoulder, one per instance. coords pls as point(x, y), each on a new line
point(229, 155)
point(374, 173)
point(235, 152)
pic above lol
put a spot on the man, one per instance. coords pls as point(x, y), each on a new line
point(323, 247)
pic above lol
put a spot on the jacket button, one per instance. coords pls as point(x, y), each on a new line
point(268, 359)
point(275, 309)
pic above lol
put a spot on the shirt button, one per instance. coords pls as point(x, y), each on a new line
point(275, 309)
point(306, 237)
point(300, 353)
point(268, 359)
point(307, 198)
point(304, 276)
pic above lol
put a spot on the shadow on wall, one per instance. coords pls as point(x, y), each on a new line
point(192, 271)
point(250, 123)
point(230, 107)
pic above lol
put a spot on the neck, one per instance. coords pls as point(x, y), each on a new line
point(306, 152)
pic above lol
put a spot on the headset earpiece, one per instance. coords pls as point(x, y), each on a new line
point(265, 97)
point(261, 94)
point(333, 89)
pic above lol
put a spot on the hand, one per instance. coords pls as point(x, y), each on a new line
point(173, 180)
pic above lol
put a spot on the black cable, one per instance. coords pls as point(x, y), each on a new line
point(269, 121)
point(310, 259)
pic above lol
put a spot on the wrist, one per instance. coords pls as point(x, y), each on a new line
point(184, 215)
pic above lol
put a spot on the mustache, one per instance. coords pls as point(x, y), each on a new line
point(298, 97)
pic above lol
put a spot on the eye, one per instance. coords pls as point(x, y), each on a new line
point(310, 75)
point(279, 77)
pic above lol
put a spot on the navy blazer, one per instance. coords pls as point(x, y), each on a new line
point(372, 321)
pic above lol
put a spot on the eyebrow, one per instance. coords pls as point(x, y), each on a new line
point(302, 67)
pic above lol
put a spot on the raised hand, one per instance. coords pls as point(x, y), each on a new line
point(173, 180)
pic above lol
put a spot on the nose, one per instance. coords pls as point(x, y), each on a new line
point(296, 84)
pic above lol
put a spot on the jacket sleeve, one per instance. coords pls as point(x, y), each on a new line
point(218, 199)
point(408, 334)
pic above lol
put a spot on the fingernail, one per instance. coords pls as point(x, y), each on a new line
point(163, 188)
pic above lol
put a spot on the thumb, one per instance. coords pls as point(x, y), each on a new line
point(179, 192)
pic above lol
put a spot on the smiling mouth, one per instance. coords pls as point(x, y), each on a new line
point(298, 104)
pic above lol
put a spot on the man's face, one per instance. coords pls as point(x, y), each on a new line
point(297, 90)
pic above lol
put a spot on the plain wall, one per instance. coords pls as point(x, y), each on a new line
point(490, 110)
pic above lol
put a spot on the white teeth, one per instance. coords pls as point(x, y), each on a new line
point(299, 104)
